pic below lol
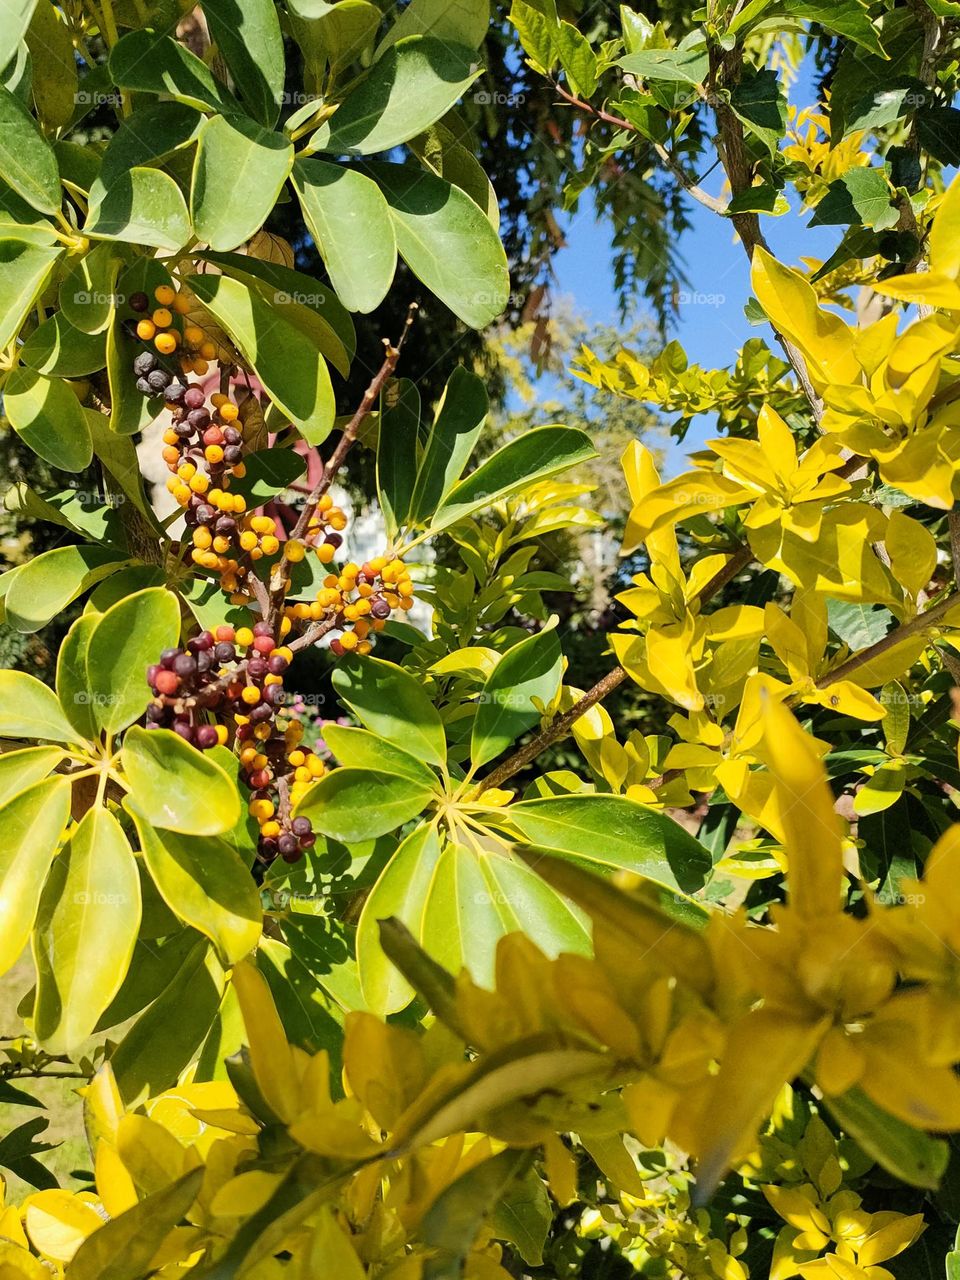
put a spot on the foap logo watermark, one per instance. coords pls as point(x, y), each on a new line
point(96, 299)
point(496, 98)
point(97, 98)
point(90, 698)
point(298, 98)
point(89, 498)
point(283, 299)
point(496, 898)
point(697, 298)
point(99, 899)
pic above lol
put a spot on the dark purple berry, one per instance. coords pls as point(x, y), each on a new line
point(204, 660)
point(199, 419)
point(174, 393)
point(159, 379)
point(184, 728)
point(262, 711)
point(257, 667)
point(169, 657)
point(277, 664)
point(262, 629)
point(224, 652)
point(226, 525)
point(301, 826)
point(232, 436)
point(205, 513)
point(193, 397)
point(379, 607)
point(144, 387)
point(152, 671)
point(183, 430)
point(232, 454)
point(268, 847)
point(273, 695)
point(289, 846)
point(145, 363)
point(307, 842)
point(139, 301)
point(333, 540)
point(207, 737)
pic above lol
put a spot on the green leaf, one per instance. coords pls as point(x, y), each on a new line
point(850, 18)
point(47, 416)
point(531, 669)
point(896, 723)
point(391, 702)
point(330, 320)
point(400, 893)
point(461, 925)
point(525, 902)
point(416, 82)
point(128, 637)
point(285, 357)
point(25, 268)
point(523, 1215)
point(236, 155)
point(760, 103)
point(335, 201)
point(58, 349)
point(397, 453)
point(87, 926)
point(27, 160)
point(542, 452)
point(447, 242)
point(14, 19)
point(118, 455)
point(34, 821)
point(459, 419)
point(688, 66)
point(29, 709)
point(130, 411)
point(156, 63)
point(616, 833)
point(360, 749)
point(72, 681)
point(177, 787)
point(21, 769)
point(860, 196)
point(882, 105)
point(53, 66)
point(915, 1158)
point(88, 296)
point(938, 131)
point(124, 1247)
point(360, 804)
point(537, 34)
point(247, 34)
point(455, 1218)
point(205, 883)
point(45, 586)
point(440, 151)
point(168, 1035)
point(579, 62)
point(150, 133)
point(457, 22)
point(268, 473)
point(331, 35)
point(144, 206)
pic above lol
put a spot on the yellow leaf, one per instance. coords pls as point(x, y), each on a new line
point(650, 1104)
point(840, 1064)
point(560, 1167)
point(944, 239)
point(18, 1264)
point(152, 1156)
point(330, 1252)
point(115, 1187)
point(811, 828)
point(384, 1066)
point(270, 1055)
point(58, 1223)
point(891, 1238)
point(913, 551)
point(102, 1107)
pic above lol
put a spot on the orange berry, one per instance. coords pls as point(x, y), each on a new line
point(192, 336)
point(146, 329)
point(166, 343)
point(162, 318)
point(250, 695)
point(170, 454)
point(180, 304)
point(208, 350)
point(229, 412)
point(213, 453)
point(164, 294)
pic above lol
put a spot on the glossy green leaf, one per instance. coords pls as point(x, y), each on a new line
point(247, 33)
point(156, 63)
point(53, 66)
point(391, 702)
point(616, 833)
point(459, 420)
point(506, 708)
point(461, 926)
point(150, 133)
point(58, 349)
point(24, 269)
point(47, 416)
point(128, 637)
point(580, 63)
point(29, 709)
point(542, 452)
point(352, 229)
point(523, 1215)
point(850, 18)
point(47, 584)
point(88, 291)
point(176, 786)
point(447, 242)
point(236, 155)
point(21, 769)
point(440, 150)
point(525, 902)
point(760, 103)
point(130, 410)
point(360, 804)
point(73, 685)
point(34, 820)
point(688, 66)
point(397, 453)
point(125, 1246)
point(459, 22)
point(204, 883)
point(14, 19)
point(455, 1218)
point(86, 928)
point(27, 161)
point(916, 1158)
point(285, 357)
point(360, 749)
point(412, 85)
point(330, 35)
point(400, 893)
point(329, 320)
point(144, 206)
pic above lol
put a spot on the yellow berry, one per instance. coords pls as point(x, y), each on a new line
point(213, 454)
point(166, 343)
point(295, 551)
point(200, 483)
point(406, 602)
point(170, 437)
point(326, 552)
point(162, 318)
point(250, 695)
point(262, 732)
point(182, 494)
point(337, 520)
point(349, 641)
point(315, 765)
point(164, 294)
point(262, 810)
point(325, 503)
point(192, 336)
point(170, 454)
point(186, 471)
point(244, 637)
point(270, 545)
point(221, 544)
point(222, 735)
point(248, 540)
point(301, 611)
point(229, 412)
point(285, 626)
point(262, 524)
point(248, 755)
point(200, 367)
point(202, 538)
point(273, 679)
point(364, 647)
point(296, 758)
point(181, 304)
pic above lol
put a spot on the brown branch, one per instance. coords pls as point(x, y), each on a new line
point(561, 724)
point(336, 459)
point(922, 622)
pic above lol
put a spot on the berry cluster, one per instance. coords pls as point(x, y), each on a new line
point(166, 328)
point(359, 599)
point(237, 675)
